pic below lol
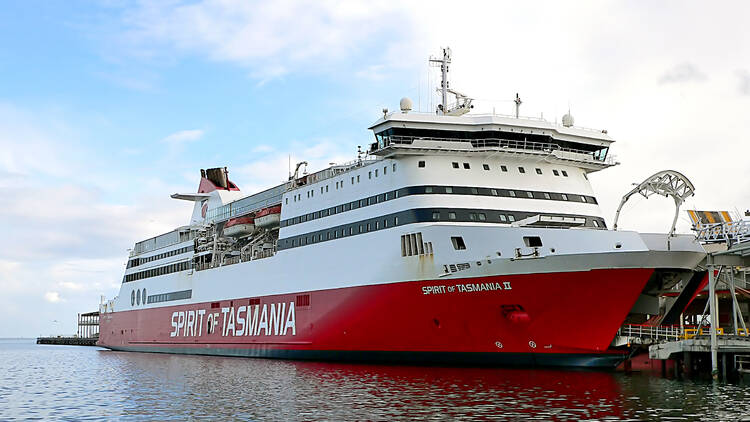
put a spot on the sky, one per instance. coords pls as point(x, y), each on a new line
point(108, 107)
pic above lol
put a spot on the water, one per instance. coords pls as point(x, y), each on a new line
point(87, 383)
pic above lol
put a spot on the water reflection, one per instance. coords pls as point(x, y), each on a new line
point(54, 382)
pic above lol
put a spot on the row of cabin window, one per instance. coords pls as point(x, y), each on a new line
point(138, 261)
point(503, 168)
point(167, 269)
point(416, 190)
point(340, 184)
point(335, 234)
point(168, 297)
point(414, 216)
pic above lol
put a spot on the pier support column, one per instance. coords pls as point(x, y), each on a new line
point(714, 318)
point(688, 364)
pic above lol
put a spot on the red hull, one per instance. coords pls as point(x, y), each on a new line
point(562, 315)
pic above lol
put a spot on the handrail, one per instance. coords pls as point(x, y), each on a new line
point(546, 147)
point(670, 332)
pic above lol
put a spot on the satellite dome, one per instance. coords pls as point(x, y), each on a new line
point(405, 104)
point(567, 120)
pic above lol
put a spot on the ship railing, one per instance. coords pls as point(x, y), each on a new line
point(647, 334)
point(599, 155)
point(539, 119)
point(336, 170)
point(731, 232)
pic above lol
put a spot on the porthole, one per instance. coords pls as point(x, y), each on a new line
point(138, 297)
point(144, 296)
point(132, 298)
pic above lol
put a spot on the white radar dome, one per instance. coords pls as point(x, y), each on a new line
point(567, 120)
point(405, 104)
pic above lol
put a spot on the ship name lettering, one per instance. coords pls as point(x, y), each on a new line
point(278, 319)
point(433, 290)
point(482, 287)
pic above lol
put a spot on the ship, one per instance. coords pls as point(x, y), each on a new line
point(454, 238)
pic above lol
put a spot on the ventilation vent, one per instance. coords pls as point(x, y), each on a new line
point(412, 244)
point(302, 300)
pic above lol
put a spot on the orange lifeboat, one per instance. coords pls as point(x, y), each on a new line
point(268, 217)
point(240, 226)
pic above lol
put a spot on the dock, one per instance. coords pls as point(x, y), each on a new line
point(87, 333)
point(707, 346)
point(68, 340)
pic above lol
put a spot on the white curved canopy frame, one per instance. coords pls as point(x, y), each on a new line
point(666, 182)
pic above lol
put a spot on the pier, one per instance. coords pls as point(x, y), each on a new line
point(86, 335)
point(724, 350)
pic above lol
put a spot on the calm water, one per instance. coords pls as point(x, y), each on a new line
point(86, 383)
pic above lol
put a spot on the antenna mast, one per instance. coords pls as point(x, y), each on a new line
point(518, 103)
point(443, 62)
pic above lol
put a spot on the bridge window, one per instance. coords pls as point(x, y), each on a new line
point(504, 168)
point(458, 243)
point(466, 166)
point(436, 215)
point(420, 164)
point(521, 170)
point(546, 195)
point(455, 165)
point(448, 189)
point(564, 173)
point(451, 215)
point(555, 172)
point(486, 166)
point(538, 171)
point(564, 197)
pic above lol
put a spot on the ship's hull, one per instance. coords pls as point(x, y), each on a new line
point(569, 319)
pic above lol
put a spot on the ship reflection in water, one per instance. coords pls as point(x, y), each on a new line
point(261, 389)
point(76, 383)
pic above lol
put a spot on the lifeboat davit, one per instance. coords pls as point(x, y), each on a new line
point(240, 226)
point(268, 217)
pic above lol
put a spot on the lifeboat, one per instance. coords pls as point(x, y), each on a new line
point(268, 217)
point(240, 226)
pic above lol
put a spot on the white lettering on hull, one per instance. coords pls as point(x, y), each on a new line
point(278, 319)
point(466, 288)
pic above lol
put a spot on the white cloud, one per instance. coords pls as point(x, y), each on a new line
point(52, 297)
point(744, 81)
point(684, 72)
point(271, 38)
point(183, 137)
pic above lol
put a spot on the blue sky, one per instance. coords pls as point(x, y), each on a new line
point(108, 107)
